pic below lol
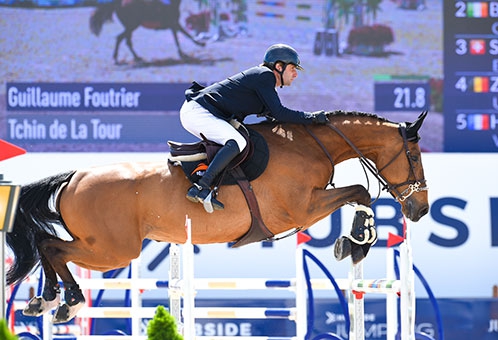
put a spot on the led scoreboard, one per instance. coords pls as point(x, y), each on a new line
point(401, 93)
point(470, 76)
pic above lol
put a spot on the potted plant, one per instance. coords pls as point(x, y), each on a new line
point(368, 40)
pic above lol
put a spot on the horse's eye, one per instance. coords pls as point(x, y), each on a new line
point(414, 158)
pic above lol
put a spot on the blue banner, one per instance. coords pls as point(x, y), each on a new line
point(462, 319)
point(95, 96)
point(51, 117)
point(112, 132)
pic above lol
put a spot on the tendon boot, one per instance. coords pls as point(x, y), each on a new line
point(201, 192)
point(363, 229)
point(363, 233)
point(362, 236)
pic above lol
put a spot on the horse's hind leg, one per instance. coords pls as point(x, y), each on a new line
point(177, 43)
point(199, 43)
point(53, 251)
point(50, 297)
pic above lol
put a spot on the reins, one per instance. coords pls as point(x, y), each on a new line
point(319, 142)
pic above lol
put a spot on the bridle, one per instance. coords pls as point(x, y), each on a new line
point(414, 185)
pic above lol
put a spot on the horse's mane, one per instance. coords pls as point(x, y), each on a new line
point(342, 113)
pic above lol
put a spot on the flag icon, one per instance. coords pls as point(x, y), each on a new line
point(477, 46)
point(477, 9)
point(481, 84)
point(478, 122)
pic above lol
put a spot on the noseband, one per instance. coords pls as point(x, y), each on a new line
point(414, 185)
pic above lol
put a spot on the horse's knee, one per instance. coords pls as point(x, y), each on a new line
point(363, 196)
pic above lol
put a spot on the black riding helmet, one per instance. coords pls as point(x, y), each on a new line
point(284, 54)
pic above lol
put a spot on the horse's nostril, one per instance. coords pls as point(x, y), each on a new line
point(423, 211)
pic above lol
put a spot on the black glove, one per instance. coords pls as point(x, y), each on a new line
point(320, 117)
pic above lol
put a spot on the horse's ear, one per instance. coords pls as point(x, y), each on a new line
point(412, 128)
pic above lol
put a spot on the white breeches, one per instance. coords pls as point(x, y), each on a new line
point(196, 120)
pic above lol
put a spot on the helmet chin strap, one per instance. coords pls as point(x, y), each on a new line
point(281, 75)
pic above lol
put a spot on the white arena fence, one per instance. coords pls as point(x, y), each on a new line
point(356, 285)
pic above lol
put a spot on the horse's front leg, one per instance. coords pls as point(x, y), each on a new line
point(363, 234)
point(324, 202)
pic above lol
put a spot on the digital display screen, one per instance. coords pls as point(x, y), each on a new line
point(74, 64)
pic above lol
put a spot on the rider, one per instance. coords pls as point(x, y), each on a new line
point(207, 111)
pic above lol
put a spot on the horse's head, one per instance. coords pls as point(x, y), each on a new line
point(401, 171)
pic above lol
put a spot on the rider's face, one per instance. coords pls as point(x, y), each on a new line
point(289, 74)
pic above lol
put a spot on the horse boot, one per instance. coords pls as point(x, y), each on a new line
point(201, 192)
point(363, 235)
point(343, 247)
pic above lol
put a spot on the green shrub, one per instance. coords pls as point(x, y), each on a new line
point(5, 334)
point(162, 326)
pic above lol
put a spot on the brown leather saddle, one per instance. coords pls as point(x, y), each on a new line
point(249, 165)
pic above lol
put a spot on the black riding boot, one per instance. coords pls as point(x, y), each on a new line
point(202, 191)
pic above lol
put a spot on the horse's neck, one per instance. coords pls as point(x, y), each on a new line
point(368, 134)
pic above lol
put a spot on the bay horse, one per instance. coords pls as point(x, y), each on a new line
point(153, 14)
point(109, 210)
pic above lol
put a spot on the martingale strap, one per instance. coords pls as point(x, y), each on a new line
point(258, 230)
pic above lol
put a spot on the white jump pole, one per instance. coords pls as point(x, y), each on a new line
point(136, 299)
point(300, 291)
point(407, 298)
point(356, 305)
point(391, 299)
point(405, 287)
point(174, 289)
point(188, 285)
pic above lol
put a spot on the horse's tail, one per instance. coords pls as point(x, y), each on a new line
point(33, 223)
point(100, 15)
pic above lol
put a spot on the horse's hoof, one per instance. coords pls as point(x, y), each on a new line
point(138, 61)
point(66, 313)
point(342, 248)
point(38, 306)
